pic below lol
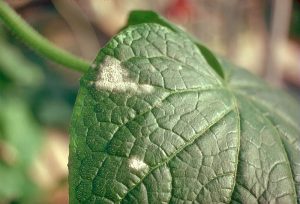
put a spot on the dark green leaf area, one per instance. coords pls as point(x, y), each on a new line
point(140, 16)
point(155, 123)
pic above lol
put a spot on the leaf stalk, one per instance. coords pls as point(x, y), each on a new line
point(36, 41)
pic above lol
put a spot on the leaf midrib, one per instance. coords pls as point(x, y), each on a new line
point(171, 93)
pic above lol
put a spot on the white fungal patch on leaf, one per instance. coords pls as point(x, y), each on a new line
point(94, 65)
point(137, 164)
point(121, 37)
point(113, 77)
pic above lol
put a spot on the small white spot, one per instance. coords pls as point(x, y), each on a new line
point(145, 88)
point(113, 77)
point(122, 36)
point(137, 164)
point(157, 103)
point(94, 65)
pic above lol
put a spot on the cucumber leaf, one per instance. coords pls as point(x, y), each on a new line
point(159, 120)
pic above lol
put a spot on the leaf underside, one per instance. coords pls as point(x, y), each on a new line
point(157, 121)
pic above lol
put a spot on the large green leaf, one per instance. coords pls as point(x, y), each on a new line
point(156, 121)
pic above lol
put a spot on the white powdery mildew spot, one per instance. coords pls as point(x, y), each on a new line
point(137, 164)
point(113, 77)
point(93, 66)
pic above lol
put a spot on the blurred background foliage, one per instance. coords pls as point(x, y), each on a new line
point(37, 96)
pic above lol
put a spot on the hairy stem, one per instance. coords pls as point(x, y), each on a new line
point(40, 44)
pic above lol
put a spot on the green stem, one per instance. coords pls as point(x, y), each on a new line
point(34, 40)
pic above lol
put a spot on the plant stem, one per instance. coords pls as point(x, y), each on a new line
point(40, 44)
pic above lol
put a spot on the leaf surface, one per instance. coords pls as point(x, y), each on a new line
point(159, 120)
